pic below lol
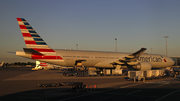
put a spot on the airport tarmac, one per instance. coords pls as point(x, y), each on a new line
point(20, 84)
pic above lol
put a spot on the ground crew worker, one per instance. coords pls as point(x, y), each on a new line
point(101, 73)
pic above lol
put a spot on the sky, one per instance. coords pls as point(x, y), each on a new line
point(93, 25)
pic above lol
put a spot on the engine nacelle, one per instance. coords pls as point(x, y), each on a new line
point(143, 66)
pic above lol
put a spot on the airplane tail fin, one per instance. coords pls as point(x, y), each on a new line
point(34, 43)
point(31, 37)
point(37, 48)
point(1, 63)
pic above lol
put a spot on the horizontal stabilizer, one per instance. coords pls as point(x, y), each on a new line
point(30, 51)
point(11, 52)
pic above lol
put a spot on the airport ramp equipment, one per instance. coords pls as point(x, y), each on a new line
point(156, 73)
point(176, 70)
point(108, 72)
point(49, 85)
point(161, 72)
point(132, 74)
point(70, 73)
point(92, 73)
point(148, 74)
point(117, 72)
point(73, 84)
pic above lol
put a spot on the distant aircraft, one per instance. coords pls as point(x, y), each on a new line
point(43, 65)
point(37, 49)
point(2, 63)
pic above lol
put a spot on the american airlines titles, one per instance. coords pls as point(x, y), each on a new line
point(150, 59)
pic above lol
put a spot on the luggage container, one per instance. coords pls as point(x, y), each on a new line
point(156, 73)
point(132, 74)
point(148, 73)
point(113, 72)
point(104, 71)
point(161, 72)
point(116, 72)
point(108, 72)
point(92, 69)
point(153, 73)
point(92, 73)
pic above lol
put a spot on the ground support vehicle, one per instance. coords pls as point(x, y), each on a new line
point(70, 73)
point(73, 84)
point(49, 85)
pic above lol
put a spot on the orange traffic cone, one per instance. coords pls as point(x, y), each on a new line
point(90, 87)
point(95, 86)
point(86, 87)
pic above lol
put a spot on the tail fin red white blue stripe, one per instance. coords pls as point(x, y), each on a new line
point(32, 40)
point(31, 37)
point(36, 47)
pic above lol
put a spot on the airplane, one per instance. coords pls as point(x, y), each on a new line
point(2, 63)
point(43, 65)
point(37, 49)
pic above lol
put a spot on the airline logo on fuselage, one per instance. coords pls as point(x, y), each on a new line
point(151, 59)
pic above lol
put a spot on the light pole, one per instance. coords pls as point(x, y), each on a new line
point(77, 46)
point(166, 43)
point(116, 43)
point(151, 50)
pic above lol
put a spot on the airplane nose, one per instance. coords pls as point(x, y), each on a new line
point(169, 61)
point(172, 62)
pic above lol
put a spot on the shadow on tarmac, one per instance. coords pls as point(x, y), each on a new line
point(159, 91)
point(139, 92)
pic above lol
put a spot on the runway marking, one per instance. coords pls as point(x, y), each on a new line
point(130, 85)
point(167, 95)
point(29, 97)
point(97, 92)
point(159, 82)
point(133, 92)
point(164, 84)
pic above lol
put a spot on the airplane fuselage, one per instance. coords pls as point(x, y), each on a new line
point(99, 58)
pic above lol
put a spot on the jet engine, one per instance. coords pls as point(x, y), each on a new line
point(143, 66)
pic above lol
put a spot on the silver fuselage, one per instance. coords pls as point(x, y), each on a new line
point(103, 59)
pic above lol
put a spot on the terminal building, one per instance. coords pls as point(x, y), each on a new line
point(176, 60)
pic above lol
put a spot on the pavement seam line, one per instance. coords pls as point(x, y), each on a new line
point(167, 95)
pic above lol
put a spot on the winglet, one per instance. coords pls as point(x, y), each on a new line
point(131, 59)
point(141, 51)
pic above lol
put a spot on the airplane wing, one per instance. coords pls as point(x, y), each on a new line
point(130, 59)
